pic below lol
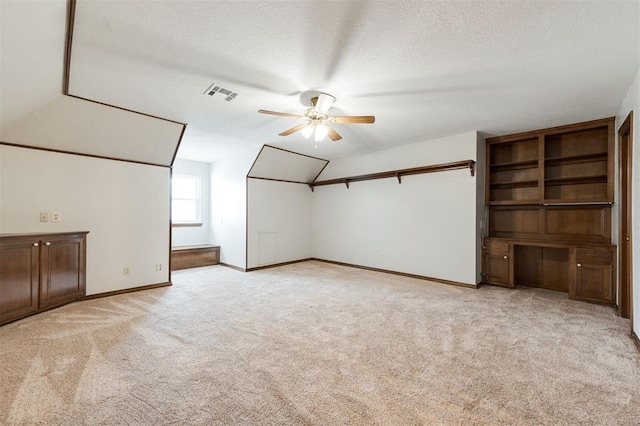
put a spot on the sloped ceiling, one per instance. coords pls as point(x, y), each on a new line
point(32, 40)
point(424, 68)
point(33, 110)
point(278, 164)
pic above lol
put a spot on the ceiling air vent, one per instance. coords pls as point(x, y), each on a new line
point(213, 89)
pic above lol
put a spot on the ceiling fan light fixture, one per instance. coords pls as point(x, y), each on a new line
point(316, 120)
point(320, 132)
point(307, 130)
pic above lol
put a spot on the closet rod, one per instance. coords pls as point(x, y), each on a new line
point(470, 164)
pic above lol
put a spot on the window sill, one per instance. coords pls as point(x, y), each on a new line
point(186, 225)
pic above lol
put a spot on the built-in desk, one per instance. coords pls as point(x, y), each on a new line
point(586, 271)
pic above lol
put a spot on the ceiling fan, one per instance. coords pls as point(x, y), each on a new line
point(316, 120)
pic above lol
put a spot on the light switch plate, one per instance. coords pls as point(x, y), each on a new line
point(44, 216)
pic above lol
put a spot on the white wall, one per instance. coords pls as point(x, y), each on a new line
point(229, 206)
point(436, 151)
point(279, 222)
point(631, 102)
point(191, 236)
point(124, 206)
point(426, 226)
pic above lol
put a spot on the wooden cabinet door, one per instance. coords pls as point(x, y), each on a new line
point(19, 262)
point(497, 269)
point(62, 267)
point(594, 282)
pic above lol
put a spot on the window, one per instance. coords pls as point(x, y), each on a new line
point(185, 199)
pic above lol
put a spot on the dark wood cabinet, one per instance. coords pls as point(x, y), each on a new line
point(62, 277)
point(594, 273)
point(19, 267)
point(40, 271)
point(549, 194)
point(497, 263)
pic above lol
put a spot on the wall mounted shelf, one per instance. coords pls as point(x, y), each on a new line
point(465, 164)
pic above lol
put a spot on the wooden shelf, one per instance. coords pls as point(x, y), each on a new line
point(514, 203)
point(398, 174)
point(573, 162)
point(515, 165)
point(575, 159)
point(577, 142)
point(562, 202)
point(576, 180)
point(520, 184)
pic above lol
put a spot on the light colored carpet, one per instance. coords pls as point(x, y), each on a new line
point(320, 344)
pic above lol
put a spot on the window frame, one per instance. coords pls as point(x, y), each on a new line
point(198, 201)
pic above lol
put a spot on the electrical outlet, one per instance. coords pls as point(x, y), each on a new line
point(44, 216)
point(56, 217)
point(381, 256)
point(126, 270)
point(158, 267)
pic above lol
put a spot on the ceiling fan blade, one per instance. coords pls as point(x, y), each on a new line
point(333, 134)
point(323, 103)
point(354, 119)
point(281, 114)
point(293, 129)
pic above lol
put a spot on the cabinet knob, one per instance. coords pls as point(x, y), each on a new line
point(627, 238)
point(36, 244)
point(579, 265)
point(506, 257)
point(47, 243)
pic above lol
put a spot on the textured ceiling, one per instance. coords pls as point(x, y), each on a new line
point(425, 69)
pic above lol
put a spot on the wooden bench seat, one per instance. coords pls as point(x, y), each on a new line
point(194, 256)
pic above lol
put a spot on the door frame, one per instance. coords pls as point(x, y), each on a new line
point(625, 158)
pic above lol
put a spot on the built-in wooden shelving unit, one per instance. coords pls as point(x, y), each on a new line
point(549, 194)
point(562, 164)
